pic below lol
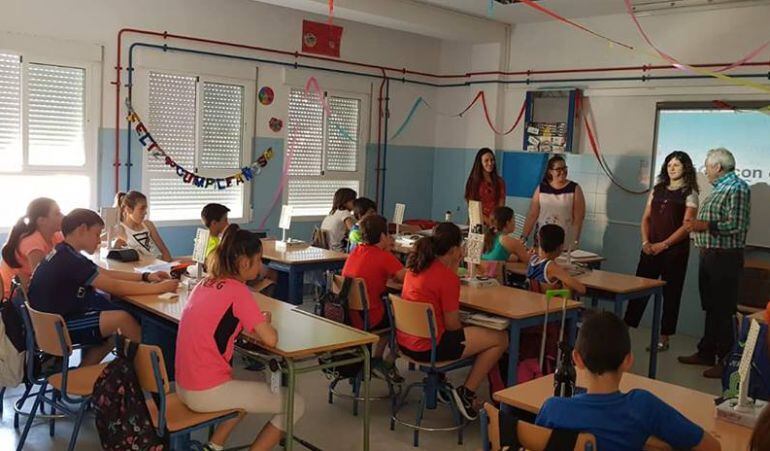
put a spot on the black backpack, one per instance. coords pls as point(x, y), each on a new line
point(122, 418)
point(334, 307)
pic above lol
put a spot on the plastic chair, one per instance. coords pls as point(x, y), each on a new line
point(320, 238)
point(170, 416)
point(358, 300)
point(73, 385)
point(531, 437)
point(419, 319)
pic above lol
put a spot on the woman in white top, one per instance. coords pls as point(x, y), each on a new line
point(559, 201)
point(340, 220)
point(137, 232)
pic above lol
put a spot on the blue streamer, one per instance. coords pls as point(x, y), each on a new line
point(343, 132)
point(408, 118)
point(490, 8)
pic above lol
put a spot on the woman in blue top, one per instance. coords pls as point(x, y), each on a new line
point(499, 245)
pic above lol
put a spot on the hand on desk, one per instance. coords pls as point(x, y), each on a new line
point(268, 317)
point(158, 276)
point(168, 285)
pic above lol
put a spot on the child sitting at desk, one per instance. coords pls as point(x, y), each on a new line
point(499, 245)
point(136, 231)
point(362, 207)
point(373, 262)
point(65, 283)
point(543, 272)
point(339, 221)
point(432, 278)
point(217, 311)
point(30, 240)
point(214, 217)
point(619, 421)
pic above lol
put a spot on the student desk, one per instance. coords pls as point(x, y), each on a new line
point(620, 288)
point(698, 407)
point(523, 309)
point(301, 337)
point(293, 265)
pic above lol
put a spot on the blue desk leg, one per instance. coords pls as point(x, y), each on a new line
point(296, 277)
point(513, 352)
point(619, 307)
point(656, 313)
point(571, 326)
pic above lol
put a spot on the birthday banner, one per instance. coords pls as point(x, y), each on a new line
point(246, 174)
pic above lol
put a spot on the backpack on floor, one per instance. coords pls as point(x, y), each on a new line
point(334, 307)
point(122, 418)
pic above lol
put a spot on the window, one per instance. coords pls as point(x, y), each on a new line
point(199, 122)
point(42, 136)
point(326, 151)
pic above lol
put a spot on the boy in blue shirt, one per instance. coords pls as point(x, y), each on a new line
point(619, 421)
point(66, 284)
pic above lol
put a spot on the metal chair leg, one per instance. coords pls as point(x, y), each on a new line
point(2, 395)
point(356, 393)
point(20, 403)
point(418, 422)
point(30, 418)
point(74, 438)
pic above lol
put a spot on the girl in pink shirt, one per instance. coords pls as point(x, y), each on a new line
point(31, 239)
point(219, 308)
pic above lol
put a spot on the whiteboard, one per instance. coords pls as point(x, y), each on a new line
point(746, 133)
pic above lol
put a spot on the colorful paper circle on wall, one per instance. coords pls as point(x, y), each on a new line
point(266, 95)
point(276, 124)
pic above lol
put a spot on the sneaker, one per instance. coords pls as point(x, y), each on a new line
point(464, 399)
point(444, 394)
point(387, 371)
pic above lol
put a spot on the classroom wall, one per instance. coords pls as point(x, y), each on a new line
point(244, 21)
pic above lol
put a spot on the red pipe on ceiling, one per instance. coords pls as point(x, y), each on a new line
point(384, 69)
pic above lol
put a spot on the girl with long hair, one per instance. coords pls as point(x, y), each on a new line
point(340, 220)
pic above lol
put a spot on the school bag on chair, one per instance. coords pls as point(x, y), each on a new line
point(122, 418)
point(334, 307)
point(759, 381)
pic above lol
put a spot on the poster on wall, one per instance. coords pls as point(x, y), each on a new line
point(321, 38)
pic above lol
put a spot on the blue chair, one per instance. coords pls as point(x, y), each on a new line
point(358, 300)
point(170, 416)
point(73, 385)
point(529, 436)
point(419, 319)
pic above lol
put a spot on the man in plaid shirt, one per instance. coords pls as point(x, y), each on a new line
point(720, 233)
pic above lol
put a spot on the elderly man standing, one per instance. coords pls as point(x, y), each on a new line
point(720, 233)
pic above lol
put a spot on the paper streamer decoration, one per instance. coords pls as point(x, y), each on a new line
point(674, 62)
point(490, 8)
point(246, 174)
point(266, 95)
point(481, 96)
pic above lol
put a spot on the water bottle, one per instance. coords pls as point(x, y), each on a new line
point(564, 378)
point(448, 216)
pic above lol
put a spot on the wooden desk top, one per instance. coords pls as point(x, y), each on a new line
point(603, 280)
point(510, 302)
point(306, 255)
point(698, 407)
point(300, 334)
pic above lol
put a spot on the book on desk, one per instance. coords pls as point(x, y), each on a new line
point(484, 320)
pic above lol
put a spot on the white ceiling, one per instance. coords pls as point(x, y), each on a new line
point(519, 12)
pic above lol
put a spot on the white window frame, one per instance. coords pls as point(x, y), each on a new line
point(141, 103)
point(91, 112)
point(362, 138)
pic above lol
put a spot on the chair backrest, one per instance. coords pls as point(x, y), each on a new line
point(357, 297)
point(320, 238)
point(51, 333)
point(150, 369)
point(410, 317)
point(519, 220)
point(531, 436)
point(2, 290)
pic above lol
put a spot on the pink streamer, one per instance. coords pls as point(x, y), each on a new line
point(677, 64)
